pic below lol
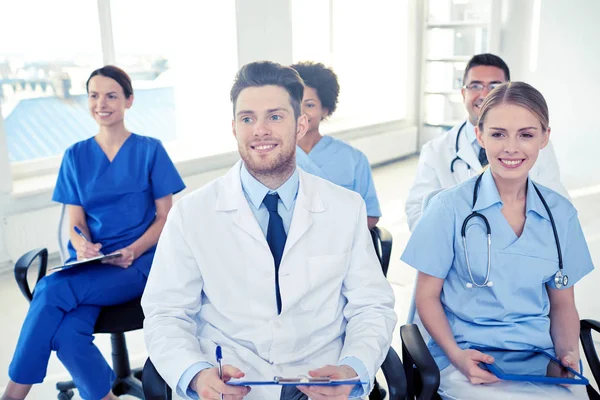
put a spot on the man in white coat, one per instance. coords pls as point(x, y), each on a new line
point(455, 156)
point(274, 265)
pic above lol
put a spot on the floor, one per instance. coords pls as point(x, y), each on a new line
point(392, 182)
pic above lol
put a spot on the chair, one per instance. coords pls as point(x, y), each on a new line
point(422, 373)
point(115, 320)
point(382, 240)
point(155, 387)
point(392, 366)
point(585, 335)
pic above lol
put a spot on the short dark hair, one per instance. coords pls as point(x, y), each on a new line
point(264, 73)
point(116, 73)
point(323, 80)
point(487, 59)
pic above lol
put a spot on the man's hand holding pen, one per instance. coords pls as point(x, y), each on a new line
point(209, 386)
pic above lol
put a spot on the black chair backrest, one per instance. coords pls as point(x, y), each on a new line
point(22, 267)
point(382, 240)
point(155, 387)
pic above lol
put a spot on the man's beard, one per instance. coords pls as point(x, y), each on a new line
point(285, 162)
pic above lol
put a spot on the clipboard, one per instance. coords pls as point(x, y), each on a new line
point(87, 261)
point(534, 365)
point(299, 381)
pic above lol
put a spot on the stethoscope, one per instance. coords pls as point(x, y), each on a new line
point(560, 280)
point(456, 148)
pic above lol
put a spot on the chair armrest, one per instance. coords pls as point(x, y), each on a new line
point(22, 266)
point(394, 375)
point(386, 241)
point(155, 387)
point(585, 334)
point(416, 356)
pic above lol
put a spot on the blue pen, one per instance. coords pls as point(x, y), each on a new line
point(78, 231)
point(219, 357)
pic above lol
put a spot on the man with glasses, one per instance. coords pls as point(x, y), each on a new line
point(456, 156)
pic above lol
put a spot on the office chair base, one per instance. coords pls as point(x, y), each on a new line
point(130, 385)
point(65, 390)
point(65, 395)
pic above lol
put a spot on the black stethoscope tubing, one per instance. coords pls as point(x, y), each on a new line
point(456, 148)
point(559, 279)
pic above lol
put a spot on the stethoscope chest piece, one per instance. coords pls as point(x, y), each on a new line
point(560, 280)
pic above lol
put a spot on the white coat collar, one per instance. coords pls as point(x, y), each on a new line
point(231, 197)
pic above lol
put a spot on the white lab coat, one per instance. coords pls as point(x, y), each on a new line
point(212, 281)
point(433, 171)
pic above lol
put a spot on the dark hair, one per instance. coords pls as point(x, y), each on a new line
point(487, 59)
point(519, 94)
point(323, 80)
point(264, 73)
point(116, 73)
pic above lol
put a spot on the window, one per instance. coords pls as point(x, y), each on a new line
point(455, 31)
point(366, 45)
point(46, 56)
point(182, 58)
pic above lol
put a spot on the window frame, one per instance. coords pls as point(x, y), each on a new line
point(17, 171)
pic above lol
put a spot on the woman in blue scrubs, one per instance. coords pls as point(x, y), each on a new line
point(516, 303)
point(118, 187)
point(325, 156)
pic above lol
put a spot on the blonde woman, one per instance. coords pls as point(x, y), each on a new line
point(518, 298)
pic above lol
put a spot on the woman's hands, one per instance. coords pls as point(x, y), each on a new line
point(568, 359)
point(467, 362)
point(86, 249)
point(126, 259)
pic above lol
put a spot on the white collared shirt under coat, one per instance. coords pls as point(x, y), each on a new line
point(212, 281)
point(433, 170)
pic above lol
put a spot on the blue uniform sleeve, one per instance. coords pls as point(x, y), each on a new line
point(308, 165)
point(359, 390)
point(364, 185)
point(164, 176)
point(577, 261)
point(65, 191)
point(183, 386)
point(430, 248)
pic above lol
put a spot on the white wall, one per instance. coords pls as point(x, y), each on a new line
point(5, 188)
point(567, 73)
point(568, 66)
point(272, 29)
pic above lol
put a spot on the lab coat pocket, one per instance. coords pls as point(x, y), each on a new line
point(325, 278)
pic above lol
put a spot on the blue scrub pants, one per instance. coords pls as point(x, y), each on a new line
point(62, 316)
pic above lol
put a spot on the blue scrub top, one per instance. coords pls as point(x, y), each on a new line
point(514, 312)
point(342, 164)
point(118, 197)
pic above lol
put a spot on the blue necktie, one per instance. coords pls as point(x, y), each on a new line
point(275, 238)
point(482, 157)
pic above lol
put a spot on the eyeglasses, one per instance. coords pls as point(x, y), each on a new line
point(478, 87)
